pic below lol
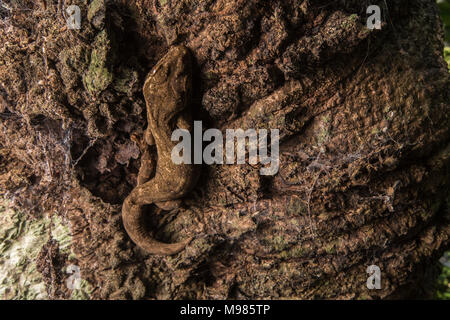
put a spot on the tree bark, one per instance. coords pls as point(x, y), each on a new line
point(364, 144)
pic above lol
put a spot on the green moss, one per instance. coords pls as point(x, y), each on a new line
point(126, 80)
point(295, 207)
point(330, 249)
point(99, 74)
point(297, 252)
point(323, 136)
point(284, 255)
point(74, 57)
point(94, 8)
point(353, 17)
point(279, 243)
point(350, 22)
point(324, 133)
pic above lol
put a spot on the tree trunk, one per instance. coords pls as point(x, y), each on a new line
point(364, 144)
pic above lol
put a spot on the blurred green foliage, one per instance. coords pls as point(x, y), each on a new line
point(443, 282)
point(444, 6)
point(447, 56)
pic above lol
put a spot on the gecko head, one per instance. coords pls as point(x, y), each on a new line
point(169, 83)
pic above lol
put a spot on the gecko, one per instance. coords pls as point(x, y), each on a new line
point(167, 92)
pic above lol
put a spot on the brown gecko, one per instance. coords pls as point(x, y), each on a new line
point(167, 93)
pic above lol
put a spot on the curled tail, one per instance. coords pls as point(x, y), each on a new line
point(132, 217)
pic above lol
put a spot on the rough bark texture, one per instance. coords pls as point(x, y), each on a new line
point(364, 153)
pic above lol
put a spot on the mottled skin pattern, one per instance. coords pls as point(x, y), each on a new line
point(167, 92)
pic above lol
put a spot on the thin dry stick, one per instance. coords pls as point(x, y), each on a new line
point(91, 143)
